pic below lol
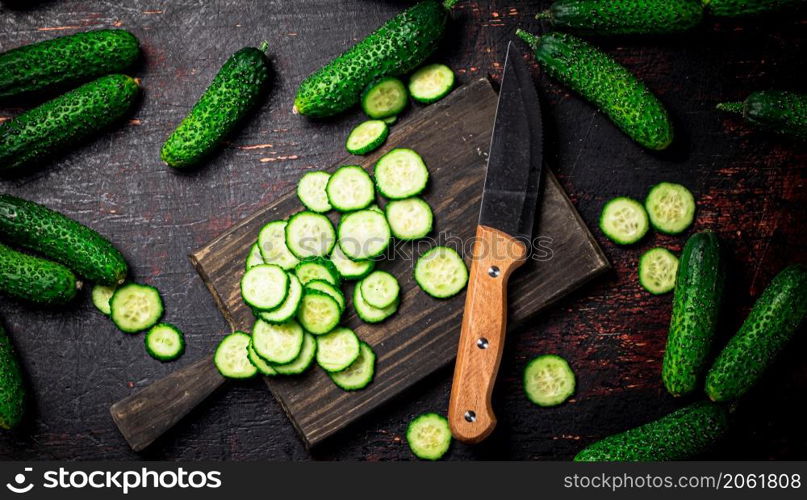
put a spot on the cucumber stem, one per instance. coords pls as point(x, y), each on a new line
point(544, 15)
point(532, 40)
point(264, 46)
point(730, 107)
point(448, 4)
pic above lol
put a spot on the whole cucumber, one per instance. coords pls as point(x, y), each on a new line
point(62, 239)
point(696, 305)
point(66, 59)
point(65, 120)
point(769, 326)
point(732, 8)
point(684, 433)
point(397, 47)
point(12, 390)
point(601, 80)
point(35, 279)
point(624, 17)
point(234, 92)
point(778, 111)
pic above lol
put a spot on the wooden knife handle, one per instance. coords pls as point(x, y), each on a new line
point(484, 322)
point(146, 415)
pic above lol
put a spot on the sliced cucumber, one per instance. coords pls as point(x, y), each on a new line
point(326, 287)
point(368, 313)
point(272, 244)
point(548, 380)
point(431, 83)
point(364, 234)
point(263, 367)
point(311, 191)
point(390, 120)
point(401, 173)
point(101, 294)
point(350, 269)
point(302, 361)
point(265, 286)
point(657, 270)
point(232, 356)
point(317, 269)
point(350, 188)
point(367, 137)
point(337, 350)
point(624, 221)
point(135, 308)
point(255, 258)
point(319, 312)
point(359, 374)
point(441, 272)
point(277, 343)
point(386, 97)
point(165, 342)
point(379, 289)
point(288, 309)
point(409, 219)
point(375, 208)
point(671, 207)
point(309, 234)
point(429, 436)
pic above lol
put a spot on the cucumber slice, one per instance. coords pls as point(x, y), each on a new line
point(390, 120)
point(337, 350)
point(310, 234)
point(328, 288)
point(350, 269)
point(548, 380)
point(359, 374)
point(317, 269)
point(401, 173)
point(265, 287)
point(368, 313)
point(272, 244)
point(288, 309)
point(165, 342)
point(101, 294)
point(350, 188)
point(319, 312)
point(135, 308)
point(441, 272)
point(380, 289)
point(657, 270)
point(258, 362)
point(364, 234)
point(374, 207)
point(302, 361)
point(383, 98)
point(671, 207)
point(367, 137)
point(409, 219)
point(255, 258)
point(624, 221)
point(429, 436)
point(431, 83)
point(277, 343)
point(311, 191)
point(232, 356)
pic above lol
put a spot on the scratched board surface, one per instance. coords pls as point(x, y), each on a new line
point(749, 186)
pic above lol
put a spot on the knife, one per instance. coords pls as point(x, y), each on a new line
point(502, 243)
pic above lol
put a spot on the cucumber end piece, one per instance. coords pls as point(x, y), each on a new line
point(529, 38)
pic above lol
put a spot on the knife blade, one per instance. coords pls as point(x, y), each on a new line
point(504, 232)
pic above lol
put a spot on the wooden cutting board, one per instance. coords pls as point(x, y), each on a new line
point(453, 137)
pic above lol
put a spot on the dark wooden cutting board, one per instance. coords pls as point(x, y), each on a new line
point(453, 137)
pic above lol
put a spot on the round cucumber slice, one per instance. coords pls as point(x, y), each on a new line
point(311, 191)
point(265, 287)
point(624, 221)
point(350, 188)
point(429, 436)
point(328, 288)
point(263, 367)
point(337, 350)
point(101, 294)
point(317, 269)
point(671, 207)
point(310, 234)
point(380, 289)
point(368, 313)
point(277, 343)
point(657, 270)
point(386, 97)
point(359, 374)
point(319, 312)
point(441, 272)
point(401, 173)
point(409, 219)
point(165, 342)
point(350, 269)
point(367, 137)
point(364, 234)
point(302, 361)
point(255, 258)
point(272, 245)
point(548, 380)
point(431, 83)
point(288, 309)
point(232, 357)
point(134, 308)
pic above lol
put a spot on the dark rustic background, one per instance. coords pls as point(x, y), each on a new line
point(749, 186)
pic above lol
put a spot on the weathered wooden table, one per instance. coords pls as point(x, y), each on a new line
point(750, 188)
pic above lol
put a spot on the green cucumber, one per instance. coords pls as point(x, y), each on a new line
point(337, 349)
point(401, 173)
point(265, 286)
point(772, 322)
point(366, 137)
point(670, 207)
point(35, 279)
point(317, 268)
point(234, 92)
point(255, 258)
point(380, 289)
point(62, 239)
point(311, 191)
point(101, 295)
point(359, 374)
point(549, 380)
point(302, 361)
point(624, 17)
point(309, 234)
point(66, 59)
point(12, 389)
point(431, 83)
point(134, 308)
point(232, 357)
point(608, 85)
point(363, 234)
point(319, 313)
point(65, 120)
point(259, 363)
point(696, 305)
point(441, 272)
point(368, 313)
point(328, 288)
point(384, 98)
point(409, 219)
point(396, 48)
point(657, 270)
point(279, 343)
point(624, 220)
point(429, 436)
point(288, 309)
point(682, 434)
point(350, 188)
point(350, 269)
point(778, 111)
point(733, 8)
point(272, 245)
point(164, 342)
